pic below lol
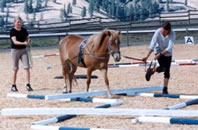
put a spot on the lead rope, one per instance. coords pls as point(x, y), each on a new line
point(152, 62)
point(30, 60)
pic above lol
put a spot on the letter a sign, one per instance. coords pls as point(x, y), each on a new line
point(189, 40)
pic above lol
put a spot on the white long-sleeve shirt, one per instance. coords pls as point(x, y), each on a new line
point(160, 43)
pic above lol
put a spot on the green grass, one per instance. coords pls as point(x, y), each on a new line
point(36, 42)
point(133, 39)
point(40, 42)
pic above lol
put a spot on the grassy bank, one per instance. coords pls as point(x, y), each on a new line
point(131, 39)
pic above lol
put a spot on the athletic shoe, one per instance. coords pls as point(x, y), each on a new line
point(28, 87)
point(149, 72)
point(14, 88)
point(165, 90)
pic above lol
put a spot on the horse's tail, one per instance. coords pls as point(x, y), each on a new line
point(67, 66)
point(68, 70)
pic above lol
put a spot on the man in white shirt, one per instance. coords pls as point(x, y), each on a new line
point(162, 44)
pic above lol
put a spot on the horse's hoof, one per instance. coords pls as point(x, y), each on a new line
point(109, 96)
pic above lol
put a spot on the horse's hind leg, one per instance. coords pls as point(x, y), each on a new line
point(104, 71)
point(66, 69)
point(71, 77)
point(65, 78)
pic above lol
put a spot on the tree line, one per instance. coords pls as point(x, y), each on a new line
point(124, 10)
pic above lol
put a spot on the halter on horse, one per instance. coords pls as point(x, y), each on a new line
point(93, 54)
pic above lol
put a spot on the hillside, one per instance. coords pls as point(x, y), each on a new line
point(52, 12)
point(49, 13)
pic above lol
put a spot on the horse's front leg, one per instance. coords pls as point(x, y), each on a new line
point(104, 71)
point(89, 72)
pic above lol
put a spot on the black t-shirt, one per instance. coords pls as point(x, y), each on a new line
point(21, 36)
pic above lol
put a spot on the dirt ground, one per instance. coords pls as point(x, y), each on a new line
point(183, 81)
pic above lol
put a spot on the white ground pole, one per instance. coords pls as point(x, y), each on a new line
point(18, 95)
point(43, 127)
point(170, 120)
point(138, 65)
point(97, 111)
point(167, 95)
point(129, 92)
point(67, 97)
point(94, 100)
point(45, 55)
point(111, 103)
point(166, 120)
point(40, 124)
point(182, 105)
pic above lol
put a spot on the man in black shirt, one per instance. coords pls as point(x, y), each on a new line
point(19, 40)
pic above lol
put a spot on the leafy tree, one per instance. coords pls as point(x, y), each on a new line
point(3, 4)
point(73, 2)
point(2, 21)
point(83, 12)
point(186, 2)
point(28, 6)
point(38, 5)
point(91, 7)
point(137, 12)
point(63, 13)
point(46, 2)
point(122, 1)
point(97, 5)
point(109, 12)
point(131, 13)
point(167, 5)
point(7, 14)
point(34, 15)
point(112, 7)
point(69, 9)
point(144, 8)
point(117, 11)
point(105, 4)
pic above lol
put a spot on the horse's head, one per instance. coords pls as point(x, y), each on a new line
point(113, 44)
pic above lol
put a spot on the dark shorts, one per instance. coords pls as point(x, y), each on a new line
point(164, 65)
point(19, 54)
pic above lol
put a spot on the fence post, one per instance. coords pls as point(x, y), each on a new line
point(186, 31)
point(189, 17)
point(38, 26)
point(127, 38)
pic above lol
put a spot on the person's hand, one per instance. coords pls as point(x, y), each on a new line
point(144, 59)
point(157, 56)
point(29, 41)
point(25, 43)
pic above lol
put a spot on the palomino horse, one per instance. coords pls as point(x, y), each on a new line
point(92, 54)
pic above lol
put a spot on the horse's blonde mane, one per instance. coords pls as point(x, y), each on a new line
point(97, 39)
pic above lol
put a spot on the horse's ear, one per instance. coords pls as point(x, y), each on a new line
point(107, 32)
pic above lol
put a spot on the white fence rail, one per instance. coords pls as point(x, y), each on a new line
point(90, 33)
